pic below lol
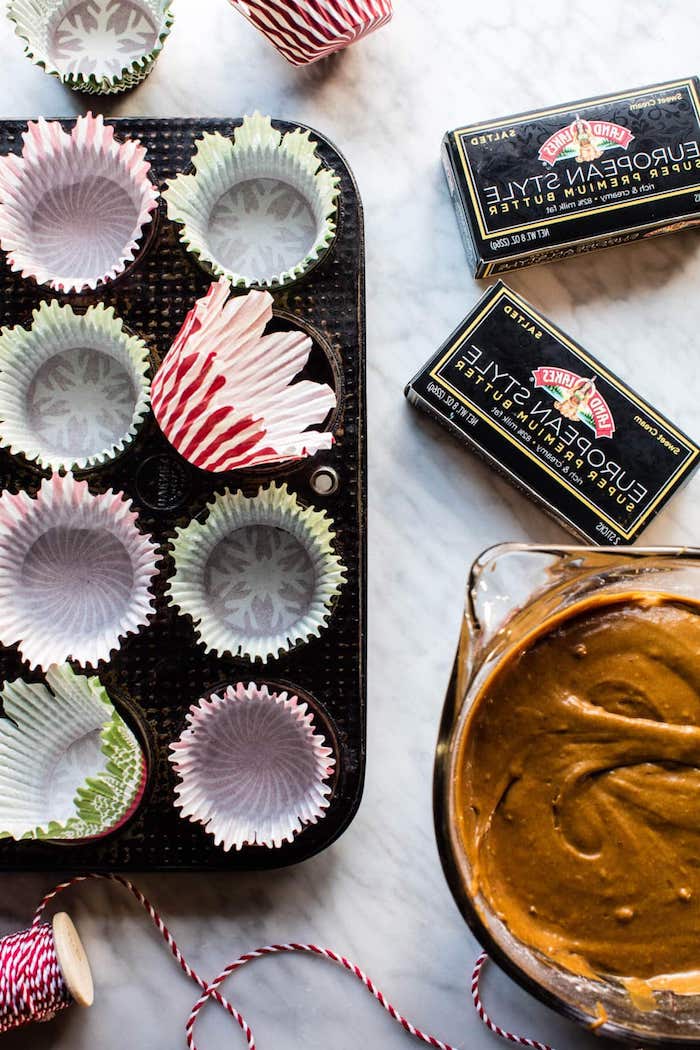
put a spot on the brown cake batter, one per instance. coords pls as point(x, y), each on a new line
point(578, 791)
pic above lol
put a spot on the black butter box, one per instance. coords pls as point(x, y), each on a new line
point(576, 177)
point(554, 421)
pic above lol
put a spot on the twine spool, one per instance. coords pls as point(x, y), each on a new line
point(44, 970)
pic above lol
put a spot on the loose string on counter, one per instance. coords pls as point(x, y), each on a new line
point(32, 987)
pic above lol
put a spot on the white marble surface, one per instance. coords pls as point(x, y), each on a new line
point(379, 894)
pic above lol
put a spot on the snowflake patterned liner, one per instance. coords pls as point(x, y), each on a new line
point(70, 767)
point(224, 396)
point(74, 205)
point(260, 208)
point(74, 387)
point(75, 572)
point(259, 576)
point(93, 46)
point(251, 767)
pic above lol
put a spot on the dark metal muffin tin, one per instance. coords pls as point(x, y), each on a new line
point(158, 673)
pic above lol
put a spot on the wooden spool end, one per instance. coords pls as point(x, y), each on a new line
point(72, 959)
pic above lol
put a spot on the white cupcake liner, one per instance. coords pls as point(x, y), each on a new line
point(224, 396)
point(93, 46)
point(73, 206)
point(70, 767)
point(260, 208)
point(308, 31)
point(74, 388)
point(252, 769)
point(259, 576)
point(75, 572)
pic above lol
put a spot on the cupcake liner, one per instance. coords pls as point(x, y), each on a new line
point(69, 765)
point(252, 769)
point(74, 388)
point(73, 206)
point(260, 208)
point(98, 47)
point(259, 575)
point(224, 396)
point(105, 802)
point(75, 572)
point(309, 30)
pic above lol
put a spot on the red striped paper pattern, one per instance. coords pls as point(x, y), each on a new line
point(306, 30)
point(224, 396)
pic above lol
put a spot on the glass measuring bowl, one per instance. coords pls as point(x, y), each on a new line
point(512, 589)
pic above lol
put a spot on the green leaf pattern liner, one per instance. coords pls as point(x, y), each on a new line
point(260, 208)
point(70, 768)
point(93, 46)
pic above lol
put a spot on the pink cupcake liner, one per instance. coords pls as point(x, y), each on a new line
point(73, 206)
point(75, 572)
point(251, 767)
point(70, 767)
point(224, 396)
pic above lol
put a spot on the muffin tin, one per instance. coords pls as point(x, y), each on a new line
point(158, 673)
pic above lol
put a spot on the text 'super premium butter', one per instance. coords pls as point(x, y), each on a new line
point(576, 177)
point(554, 420)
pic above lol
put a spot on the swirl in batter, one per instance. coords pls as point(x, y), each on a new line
point(578, 790)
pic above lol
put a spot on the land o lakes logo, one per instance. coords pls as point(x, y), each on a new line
point(576, 398)
point(584, 141)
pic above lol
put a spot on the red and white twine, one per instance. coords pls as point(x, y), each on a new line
point(32, 986)
point(521, 1040)
point(31, 983)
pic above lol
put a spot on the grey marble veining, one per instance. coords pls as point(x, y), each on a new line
point(378, 895)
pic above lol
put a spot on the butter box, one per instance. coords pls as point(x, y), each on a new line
point(577, 177)
point(554, 421)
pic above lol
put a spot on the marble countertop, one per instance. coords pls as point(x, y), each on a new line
point(378, 894)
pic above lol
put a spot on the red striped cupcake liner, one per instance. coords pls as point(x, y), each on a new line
point(305, 31)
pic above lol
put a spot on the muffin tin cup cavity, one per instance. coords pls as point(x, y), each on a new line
point(70, 768)
point(251, 767)
point(74, 387)
point(73, 206)
point(260, 208)
point(259, 576)
point(324, 364)
point(75, 572)
point(225, 395)
point(93, 46)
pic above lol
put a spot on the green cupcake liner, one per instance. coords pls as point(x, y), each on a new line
point(58, 34)
point(70, 768)
point(74, 387)
point(260, 208)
